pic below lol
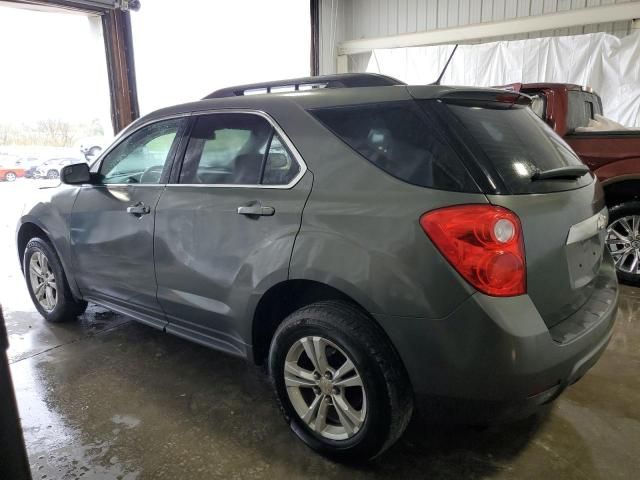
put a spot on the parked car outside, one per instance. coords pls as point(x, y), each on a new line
point(51, 168)
point(613, 155)
point(30, 165)
point(377, 248)
point(10, 170)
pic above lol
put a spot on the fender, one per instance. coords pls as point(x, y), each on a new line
point(383, 279)
point(50, 213)
point(618, 171)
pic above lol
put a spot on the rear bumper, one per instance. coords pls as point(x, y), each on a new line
point(495, 359)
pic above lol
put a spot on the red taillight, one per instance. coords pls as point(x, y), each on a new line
point(483, 243)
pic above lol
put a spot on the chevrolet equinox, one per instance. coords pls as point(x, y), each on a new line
point(378, 246)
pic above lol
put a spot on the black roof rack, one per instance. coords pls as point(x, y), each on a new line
point(346, 80)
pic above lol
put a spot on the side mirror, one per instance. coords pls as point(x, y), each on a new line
point(75, 174)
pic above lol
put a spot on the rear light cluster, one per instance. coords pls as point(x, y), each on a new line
point(483, 243)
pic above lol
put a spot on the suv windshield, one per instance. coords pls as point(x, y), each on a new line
point(515, 143)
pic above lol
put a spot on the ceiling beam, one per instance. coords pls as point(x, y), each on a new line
point(570, 18)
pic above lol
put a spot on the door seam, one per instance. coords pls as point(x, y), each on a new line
point(295, 238)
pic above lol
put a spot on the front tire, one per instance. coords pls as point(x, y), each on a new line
point(47, 283)
point(53, 174)
point(341, 386)
point(623, 241)
point(10, 177)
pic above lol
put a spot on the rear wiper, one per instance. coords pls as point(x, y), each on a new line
point(570, 172)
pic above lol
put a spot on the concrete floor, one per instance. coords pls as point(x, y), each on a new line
point(108, 398)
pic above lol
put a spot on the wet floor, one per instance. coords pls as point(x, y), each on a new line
point(107, 398)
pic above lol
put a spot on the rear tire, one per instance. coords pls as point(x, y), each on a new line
point(53, 174)
point(47, 283)
point(618, 215)
point(10, 177)
point(377, 389)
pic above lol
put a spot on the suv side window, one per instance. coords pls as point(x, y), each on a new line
point(280, 167)
point(236, 149)
point(141, 157)
point(397, 138)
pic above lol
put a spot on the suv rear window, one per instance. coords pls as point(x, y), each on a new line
point(400, 139)
point(516, 144)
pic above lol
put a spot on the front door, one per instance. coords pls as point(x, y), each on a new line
point(112, 222)
point(225, 230)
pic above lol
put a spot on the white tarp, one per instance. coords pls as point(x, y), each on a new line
point(608, 64)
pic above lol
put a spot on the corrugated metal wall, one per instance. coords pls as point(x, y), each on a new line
point(353, 19)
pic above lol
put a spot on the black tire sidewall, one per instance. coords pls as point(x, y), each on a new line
point(616, 212)
point(66, 308)
point(372, 436)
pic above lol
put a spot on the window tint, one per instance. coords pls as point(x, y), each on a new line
point(517, 143)
point(280, 167)
point(226, 149)
point(400, 140)
point(141, 157)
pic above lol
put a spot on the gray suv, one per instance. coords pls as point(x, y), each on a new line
point(376, 245)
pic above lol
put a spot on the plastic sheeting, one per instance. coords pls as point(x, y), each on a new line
point(608, 64)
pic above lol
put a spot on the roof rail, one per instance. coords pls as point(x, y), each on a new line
point(347, 80)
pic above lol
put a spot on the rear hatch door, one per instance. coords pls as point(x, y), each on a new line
point(530, 170)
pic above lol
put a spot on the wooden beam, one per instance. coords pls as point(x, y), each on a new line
point(315, 36)
point(116, 26)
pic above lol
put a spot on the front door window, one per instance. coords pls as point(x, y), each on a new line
point(142, 157)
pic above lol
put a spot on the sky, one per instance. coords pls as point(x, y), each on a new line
point(52, 65)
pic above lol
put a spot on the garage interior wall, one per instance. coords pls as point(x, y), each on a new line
point(342, 20)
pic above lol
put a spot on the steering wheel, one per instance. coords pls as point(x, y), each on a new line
point(152, 174)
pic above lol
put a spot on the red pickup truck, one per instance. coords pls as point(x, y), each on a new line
point(614, 156)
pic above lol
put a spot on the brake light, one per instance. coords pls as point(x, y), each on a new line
point(483, 243)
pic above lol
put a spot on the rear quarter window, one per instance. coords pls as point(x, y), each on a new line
point(400, 139)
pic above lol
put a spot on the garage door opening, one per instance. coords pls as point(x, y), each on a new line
point(54, 93)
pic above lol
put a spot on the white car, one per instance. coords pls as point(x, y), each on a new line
point(51, 168)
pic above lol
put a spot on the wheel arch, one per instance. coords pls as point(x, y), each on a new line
point(26, 232)
point(30, 229)
point(284, 298)
point(625, 189)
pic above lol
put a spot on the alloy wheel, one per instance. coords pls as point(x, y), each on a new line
point(325, 388)
point(43, 281)
point(623, 240)
point(10, 177)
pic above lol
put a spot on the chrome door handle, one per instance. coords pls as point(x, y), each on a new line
point(257, 210)
point(139, 209)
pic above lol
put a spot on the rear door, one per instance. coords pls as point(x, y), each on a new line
point(225, 227)
point(563, 217)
